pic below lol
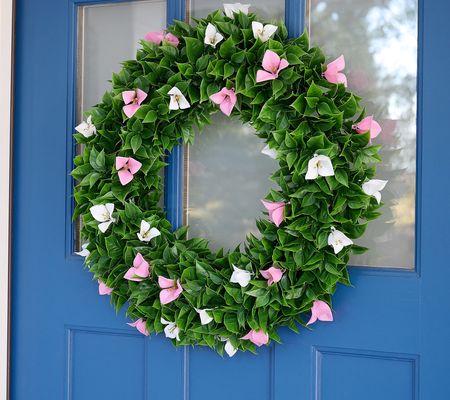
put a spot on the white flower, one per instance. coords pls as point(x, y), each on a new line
point(235, 8)
point(147, 233)
point(87, 129)
point(338, 240)
point(103, 214)
point(263, 32)
point(171, 330)
point(272, 153)
point(373, 188)
point(240, 276)
point(84, 252)
point(319, 166)
point(212, 35)
point(177, 99)
point(230, 349)
point(205, 318)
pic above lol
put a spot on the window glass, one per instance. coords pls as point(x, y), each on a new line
point(379, 41)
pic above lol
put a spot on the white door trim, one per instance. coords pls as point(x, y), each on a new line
point(6, 87)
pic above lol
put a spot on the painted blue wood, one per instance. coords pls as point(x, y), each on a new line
point(390, 335)
point(174, 172)
point(64, 334)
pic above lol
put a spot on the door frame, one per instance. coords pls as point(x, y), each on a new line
point(6, 118)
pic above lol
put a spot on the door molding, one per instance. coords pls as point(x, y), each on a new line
point(6, 88)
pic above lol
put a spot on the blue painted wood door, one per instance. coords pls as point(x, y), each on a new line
point(390, 338)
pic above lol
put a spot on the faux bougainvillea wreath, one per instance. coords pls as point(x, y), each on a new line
point(311, 125)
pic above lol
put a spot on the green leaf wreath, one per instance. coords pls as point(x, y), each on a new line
point(311, 124)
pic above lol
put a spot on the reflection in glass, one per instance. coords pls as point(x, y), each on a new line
point(227, 174)
point(266, 9)
point(379, 41)
point(102, 47)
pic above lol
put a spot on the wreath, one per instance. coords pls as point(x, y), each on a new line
point(311, 124)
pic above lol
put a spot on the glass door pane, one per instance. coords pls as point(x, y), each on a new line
point(379, 41)
point(108, 34)
point(226, 173)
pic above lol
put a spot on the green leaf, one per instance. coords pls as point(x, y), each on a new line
point(231, 323)
point(136, 142)
point(194, 48)
point(151, 117)
point(227, 48)
point(341, 176)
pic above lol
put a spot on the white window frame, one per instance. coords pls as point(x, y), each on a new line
point(6, 88)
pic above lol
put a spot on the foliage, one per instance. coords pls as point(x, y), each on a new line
point(299, 114)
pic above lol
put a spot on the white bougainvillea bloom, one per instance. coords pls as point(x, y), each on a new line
point(230, 349)
point(205, 318)
point(87, 129)
point(373, 188)
point(146, 232)
point(240, 276)
point(338, 240)
point(212, 36)
point(263, 32)
point(171, 330)
point(177, 99)
point(84, 252)
point(103, 214)
point(319, 166)
point(235, 8)
point(272, 153)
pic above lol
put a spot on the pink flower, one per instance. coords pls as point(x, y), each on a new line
point(133, 100)
point(103, 289)
point(272, 274)
point(127, 167)
point(276, 211)
point(140, 269)
point(158, 37)
point(332, 74)
point(257, 337)
point(273, 64)
point(171, 289)
point(226, 98)
point(320, 311)
point(368, 124)
point(140, 325)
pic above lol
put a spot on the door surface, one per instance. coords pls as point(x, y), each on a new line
point(390, 338)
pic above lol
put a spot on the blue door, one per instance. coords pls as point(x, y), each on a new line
point(390, 336)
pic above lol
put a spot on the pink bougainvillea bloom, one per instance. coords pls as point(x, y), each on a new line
point(368, 124)
point(320, 311)
point(132, 100)
point(272, 274)
point(332, 74)
point(127, 167)
point(171, 289)
point(103, 289)
point(257, 337)
point(154, 37)
point(140, 269)
point(226, 98)
point(272, 64)
point(140, 325)
point(172, 39)
point(158, 37)
point(276, 211)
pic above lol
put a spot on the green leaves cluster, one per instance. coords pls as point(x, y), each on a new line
point(299, 114)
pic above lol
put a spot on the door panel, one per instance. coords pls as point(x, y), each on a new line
point(390, 335)
point(67, 340)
